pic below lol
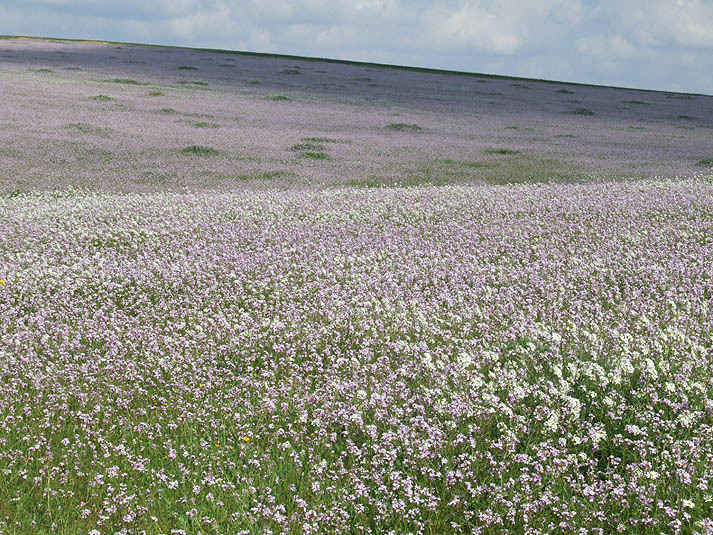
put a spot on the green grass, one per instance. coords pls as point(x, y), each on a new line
point(582, 111)
point(101, 98)
point(203, 124)
point(518, 169)
point(90, 129)
point(500, 151)
point(156, 93)
point(42, 70)
point(705, 162)
point(306, 147)
point(290, 71)
point(324, 140)
point(639, 102)
point(193, 82)
point(686, 117)
point(168, 111)
point(199, 150)
point(125, 81)
point(187, 68)
point(315, 155)
point(276, 97)
point(260, 175)
point(404, 127)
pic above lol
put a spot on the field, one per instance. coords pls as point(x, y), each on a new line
point(251, 295)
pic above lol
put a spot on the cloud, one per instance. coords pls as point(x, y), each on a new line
point(609, 47)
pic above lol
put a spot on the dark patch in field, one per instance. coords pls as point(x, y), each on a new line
point(193, 82)
point(262, 175)
point(324, 140)
point(306, 147)
point(582, 111)
point(203, 124)
point(199, 150)
point(565, 92)
point(640, 102)
point(290, 71)
point(276, 97)
point(705, 162)
point(501, 151)
point(90, 129)
point(315, 155)
point(101, 98)
point(125, 81)
point(187, 68)
point(404, 127)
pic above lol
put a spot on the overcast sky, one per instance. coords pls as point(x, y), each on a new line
point(652, 44)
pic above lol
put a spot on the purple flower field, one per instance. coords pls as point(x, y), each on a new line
point(310, 303)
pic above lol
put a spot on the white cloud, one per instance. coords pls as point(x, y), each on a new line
point(470, 26)
point(608, 47)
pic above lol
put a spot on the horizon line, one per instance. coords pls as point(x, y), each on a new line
point(410, 68)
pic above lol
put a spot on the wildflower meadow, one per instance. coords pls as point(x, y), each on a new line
point(254, 343)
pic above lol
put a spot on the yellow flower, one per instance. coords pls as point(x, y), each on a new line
point(217, 445)
point(2, 283)
point(246, 439)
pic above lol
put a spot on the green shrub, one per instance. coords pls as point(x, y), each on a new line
point(501, 151)
point(404, 127)
point(198, 150)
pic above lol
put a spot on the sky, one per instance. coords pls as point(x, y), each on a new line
point(648, 44)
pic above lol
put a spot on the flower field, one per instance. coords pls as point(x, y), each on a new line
point(480, 359)
point(270, 295)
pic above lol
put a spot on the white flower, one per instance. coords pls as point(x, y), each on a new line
point(552, 422)
point(651, 369)
point(689, 504)
point(652, 475)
